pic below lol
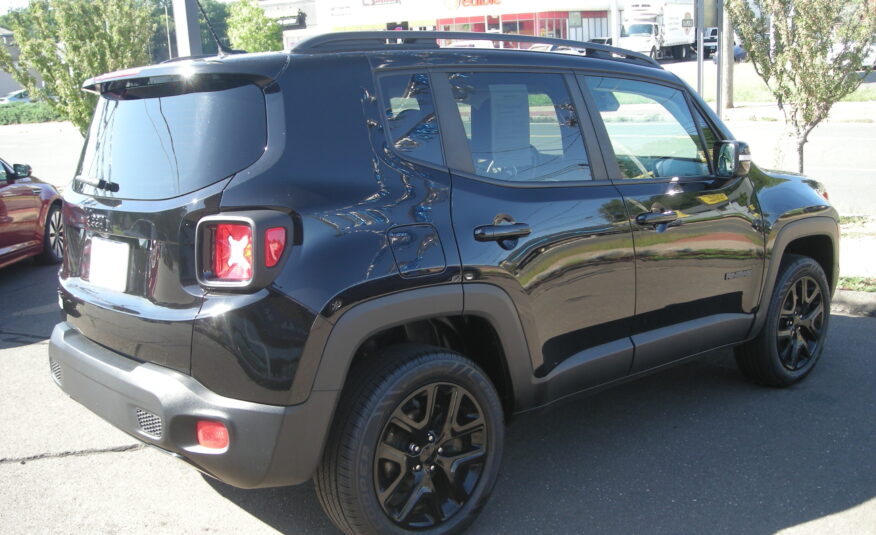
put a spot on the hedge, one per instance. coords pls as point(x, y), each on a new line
point(27, 112)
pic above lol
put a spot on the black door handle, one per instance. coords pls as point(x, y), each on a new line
point(501, 232)
point(652, 218)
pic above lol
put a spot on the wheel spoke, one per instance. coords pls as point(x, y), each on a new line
point(435, 504)
point(386, 494)
point(450, 484)
point(391, 453)
point(786, 353)
point(803, 297)
point(453, 463)
point(416, 495)
point(469, 428)
point(404, 422)
point(454, 469)
point(792, 296)
point(796, 349)
point(431, 394)
point(452, 410)
point(810, 319)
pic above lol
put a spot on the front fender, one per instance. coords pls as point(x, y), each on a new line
point(780, 236)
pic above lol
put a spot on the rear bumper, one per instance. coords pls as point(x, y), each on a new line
point(269, 445)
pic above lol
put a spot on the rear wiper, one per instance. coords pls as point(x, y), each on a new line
point(99, 184)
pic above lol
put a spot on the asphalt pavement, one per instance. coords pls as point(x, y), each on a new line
point(695, 449)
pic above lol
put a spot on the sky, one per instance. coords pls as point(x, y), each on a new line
point(6, 5)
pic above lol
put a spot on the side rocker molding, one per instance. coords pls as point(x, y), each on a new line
point(810, 226)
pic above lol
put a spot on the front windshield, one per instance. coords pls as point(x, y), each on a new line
point(637, 29)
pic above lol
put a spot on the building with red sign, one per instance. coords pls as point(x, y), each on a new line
point(579, 20)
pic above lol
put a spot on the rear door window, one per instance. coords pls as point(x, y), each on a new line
point(164, 139)
point(521, 127)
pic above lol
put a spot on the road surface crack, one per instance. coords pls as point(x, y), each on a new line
point(75, 453)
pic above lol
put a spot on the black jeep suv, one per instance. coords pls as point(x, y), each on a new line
point(354, 262)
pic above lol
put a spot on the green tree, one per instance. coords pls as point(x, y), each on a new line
point(808, 52)
point(218, 14)
point(251, 30)
point(69, 41)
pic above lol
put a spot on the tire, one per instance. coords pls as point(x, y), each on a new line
point(793, 336)
point(383, 468)
point(53, 237)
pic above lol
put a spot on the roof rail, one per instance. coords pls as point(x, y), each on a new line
point(419, 40)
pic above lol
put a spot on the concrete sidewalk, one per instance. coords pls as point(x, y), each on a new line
point(842, 112)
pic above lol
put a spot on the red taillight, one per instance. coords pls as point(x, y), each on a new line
point(825, 195)
point(275, 242)
point(232, 252)
point(213, 435)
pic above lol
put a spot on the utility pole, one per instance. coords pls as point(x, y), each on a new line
point(722, 59)
point(615, 24)
point(727, 53)
point(167, 30)
point(188, 31)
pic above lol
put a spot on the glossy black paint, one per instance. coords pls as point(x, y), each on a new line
point(152, 319)
point(590, 286)
point(248, 346)
point(569, 278)
point(707, 261)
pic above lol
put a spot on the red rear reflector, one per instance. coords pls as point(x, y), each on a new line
point(232, 252)
point(275, 242)
point(213, 435)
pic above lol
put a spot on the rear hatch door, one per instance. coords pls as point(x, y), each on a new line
point(162, 145)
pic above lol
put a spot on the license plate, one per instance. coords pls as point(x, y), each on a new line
point(108, 267)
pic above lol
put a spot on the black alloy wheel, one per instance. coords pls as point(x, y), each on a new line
point(415, 446)
point(431, 455)
point(801, 319)
point(795, 328)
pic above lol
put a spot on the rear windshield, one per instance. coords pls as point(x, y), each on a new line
point(161, 140)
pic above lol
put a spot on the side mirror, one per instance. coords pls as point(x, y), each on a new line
point(21, 170)
point(732, 159)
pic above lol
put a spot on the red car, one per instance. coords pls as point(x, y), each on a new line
point(30, 217)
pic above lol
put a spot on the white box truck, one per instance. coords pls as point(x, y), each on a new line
point(659, 28)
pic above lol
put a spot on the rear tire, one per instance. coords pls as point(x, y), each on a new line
point(415, 445)
point(795, 330)
point(53, 237)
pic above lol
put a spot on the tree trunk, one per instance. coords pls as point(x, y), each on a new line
point(801, 142)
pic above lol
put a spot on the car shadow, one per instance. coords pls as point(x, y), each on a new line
point(694, 449)
point(30, 303)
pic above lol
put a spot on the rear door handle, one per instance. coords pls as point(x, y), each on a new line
point(651, 218)
point(501, 232)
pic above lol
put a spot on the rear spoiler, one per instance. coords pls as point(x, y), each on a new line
point(262, 69)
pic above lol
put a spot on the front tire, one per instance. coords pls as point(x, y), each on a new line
point(415, 446)
point(793, 336)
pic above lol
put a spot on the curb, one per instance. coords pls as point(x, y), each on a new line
point(855, 303)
